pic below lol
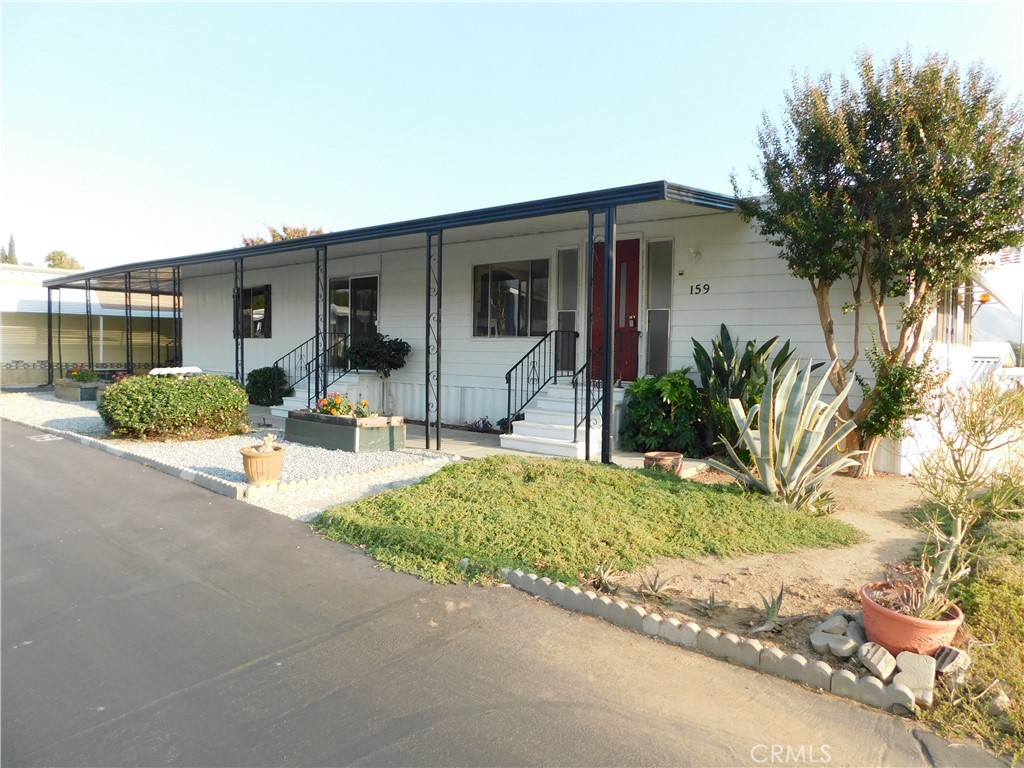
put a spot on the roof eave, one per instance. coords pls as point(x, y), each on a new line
point(633, 194)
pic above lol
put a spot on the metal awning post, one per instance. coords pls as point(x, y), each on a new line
point(88, 325)
point(239, 346)
point(49, 336)
point(176, 316)
point(321, 303)
point(128, 337)
point(609, 331)
point(589, 356)
point(432, 322)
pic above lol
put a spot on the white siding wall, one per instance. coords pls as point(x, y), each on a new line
point(750, 290)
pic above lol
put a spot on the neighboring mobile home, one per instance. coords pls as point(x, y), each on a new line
point(478, 293)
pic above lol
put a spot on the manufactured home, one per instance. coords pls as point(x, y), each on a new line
point(538, 309)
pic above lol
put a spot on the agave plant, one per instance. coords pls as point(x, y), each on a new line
point(786, 435)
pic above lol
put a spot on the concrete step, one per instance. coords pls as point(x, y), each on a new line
point(293, 403)
point(539, 429)
point(544, 446)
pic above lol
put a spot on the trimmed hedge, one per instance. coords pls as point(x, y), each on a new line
point(159, 407)
point(268, 386)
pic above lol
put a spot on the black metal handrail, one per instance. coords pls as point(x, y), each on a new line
point(551, 357)
point(579, 389)
point(301, 364)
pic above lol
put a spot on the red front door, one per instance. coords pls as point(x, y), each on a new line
point(626, 346)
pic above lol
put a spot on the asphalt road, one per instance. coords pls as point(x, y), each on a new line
point(146, 621)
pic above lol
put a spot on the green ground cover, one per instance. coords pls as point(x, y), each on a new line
point(561, 518)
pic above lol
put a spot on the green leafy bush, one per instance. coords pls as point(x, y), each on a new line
point(267, 386)
point(661, 415)
point(725, 375)
point(378, 353)
point(190, 407)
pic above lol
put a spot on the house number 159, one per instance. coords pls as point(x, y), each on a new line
point(696, 289)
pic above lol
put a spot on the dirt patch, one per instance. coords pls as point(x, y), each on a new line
point(817, 581)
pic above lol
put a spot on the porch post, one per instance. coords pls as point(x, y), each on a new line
point(88, 323)
point(432, 346)
point(609, 331)
point(154, 356)
point(321, 346)
point(176, 317)
point(128, 337)
point(49, 336)
point(589, 338)
point(239, 346)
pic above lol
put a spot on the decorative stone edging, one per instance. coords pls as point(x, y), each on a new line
point(745, 652)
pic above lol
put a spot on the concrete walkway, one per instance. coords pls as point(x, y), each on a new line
point(474, 445)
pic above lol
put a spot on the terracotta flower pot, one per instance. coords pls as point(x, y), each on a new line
point(666, 461)
point(262, 468)
point(897, 632)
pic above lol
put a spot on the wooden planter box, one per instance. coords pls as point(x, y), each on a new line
point(77, 391)
point(345, 433)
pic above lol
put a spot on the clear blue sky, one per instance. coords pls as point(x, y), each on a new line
point(137, 131)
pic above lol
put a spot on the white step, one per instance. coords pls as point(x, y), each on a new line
point(542, 416)
point(540, 429)
point(546, 446)
point(292, 403)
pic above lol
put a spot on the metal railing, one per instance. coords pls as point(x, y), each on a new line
point(581, 411)
point(551, 357)
point(300, 364)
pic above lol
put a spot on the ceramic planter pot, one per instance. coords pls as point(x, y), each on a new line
point(666, 461)
point(897, 632)
point(262, 468)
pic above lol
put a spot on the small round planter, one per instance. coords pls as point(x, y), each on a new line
point(666, 461)
point(262, 468)
point(897, 632)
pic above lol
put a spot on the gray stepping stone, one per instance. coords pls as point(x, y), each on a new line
point(951, 661)
point(878, 661)
point(833, 625)
point(855, 631)
point(840, 646)
point(916, 672)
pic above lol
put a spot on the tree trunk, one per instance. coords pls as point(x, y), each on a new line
point(869, 444)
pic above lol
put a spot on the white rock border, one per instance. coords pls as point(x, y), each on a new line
point(744, 652)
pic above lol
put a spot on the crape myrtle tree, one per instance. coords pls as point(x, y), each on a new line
point(895, 184)
point(277, 235)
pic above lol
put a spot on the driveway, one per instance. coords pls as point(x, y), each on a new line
point(146, 621)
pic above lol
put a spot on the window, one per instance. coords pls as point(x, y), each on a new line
point(354, 306)
point(511, 298)
point(254, 314)
point(659, 305)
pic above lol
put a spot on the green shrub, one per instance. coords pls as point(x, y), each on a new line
point(661, 415)
point(725, 374)
point(378, 353)
point(268, 386)
point(190, 407)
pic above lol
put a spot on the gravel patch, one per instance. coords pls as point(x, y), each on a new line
point(313, 479)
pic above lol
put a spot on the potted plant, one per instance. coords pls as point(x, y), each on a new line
point(82, 384)
point(263, 463)
point(338, 423)
point(380, 353)
point(976, 426)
